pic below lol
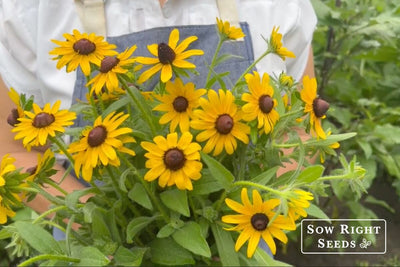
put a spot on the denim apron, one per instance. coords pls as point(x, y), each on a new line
point(207, 41)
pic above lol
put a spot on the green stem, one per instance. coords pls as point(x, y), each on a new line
point(154, 199)
point(250, 68)
point(285, 145)
point(212, 65)
point(114, 181)
point(62, 148)
point(335, 177)
point(67, 234)
point(263, 187)
point(146, 115)
point(220, 200)
point(56, 186)
point(48, 257)
point(47, 212)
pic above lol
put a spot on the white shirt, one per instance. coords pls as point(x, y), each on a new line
point(27, 26)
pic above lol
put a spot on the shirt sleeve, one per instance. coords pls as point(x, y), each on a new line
point(17, 48)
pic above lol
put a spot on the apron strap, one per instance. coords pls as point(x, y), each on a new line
point(228, 11)
point(92, 15)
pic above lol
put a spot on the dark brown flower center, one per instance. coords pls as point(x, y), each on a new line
point(84, 47)
point(180, 104)
point(259, 221)
point(97, 136)
point(31, 170)
point(165, 54)
point(174, 159)
point(320, 107)
point(266, 103)
point(42, 120)
point(108, 63)
point(12, 119)
point(224, 124)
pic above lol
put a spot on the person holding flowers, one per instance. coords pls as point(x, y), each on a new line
point(159, 46)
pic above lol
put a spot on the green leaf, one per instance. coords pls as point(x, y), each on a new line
point(129, 257)
point(372, 200)
point(225, 57)
point(206, 185)
point(90, 256)
point(224, 177)
point(333, 138)
point(99, 226)
point(38, 238)
point(122, 102)
point(310, 174)
point(388, 133)
point(266, 260)
point(225, 246)
point(166, 251)
point(176, 200)
point(366, 147)
point(123, 177)
point(265, 177)
point(136, 225)
point(139, 195)
point(73, 198)
point(166, 231)
point(196, 243)
point(5, 233)
point(316, 212)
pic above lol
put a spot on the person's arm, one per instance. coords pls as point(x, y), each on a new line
point(25, 159)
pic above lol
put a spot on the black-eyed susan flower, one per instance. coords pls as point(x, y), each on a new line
point(220, 122)
point(257, 220)
point(298, 204)
point(179, 103)
point(5, 212)
point(81, 49)
point(228, 31)
point(260, 102)
point(17, 112)
point(173, 161)
point(100, 143)
point(110, 67)
point(6, 166)
point(45, 162)
point(168, 56)
point(38, 125)
point(314, 105)
point(276, 46)
point(286, 80)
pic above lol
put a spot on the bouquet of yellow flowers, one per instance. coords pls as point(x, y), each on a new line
point(177, 175)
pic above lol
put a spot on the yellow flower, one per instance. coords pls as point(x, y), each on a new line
point(5, 212)
point(99, 144)
point(36, 126)
point(229, 31)
point(173, 161)
point(286, 80)
point(298, 204)
point(275, 44)
point(179, 104)
point(7, 165)
point(14, 96)
point(167, 56)
point(81, 49)
point(254, 221)
point(260, 103)
point(110, 67)
point(42, 161)
point(220, 121)
point(314, 105)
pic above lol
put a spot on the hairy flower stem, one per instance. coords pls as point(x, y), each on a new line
point(56, 186)
point(48, 257)
point(262, 187)
point(61, 146)
point(145, 115)
point(212, 65)
point(249, 69)
point(50, 211)
point(149, 192)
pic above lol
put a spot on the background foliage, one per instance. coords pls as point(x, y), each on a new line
point(356, 49)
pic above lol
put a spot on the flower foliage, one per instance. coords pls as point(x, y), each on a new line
point(170, 164)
